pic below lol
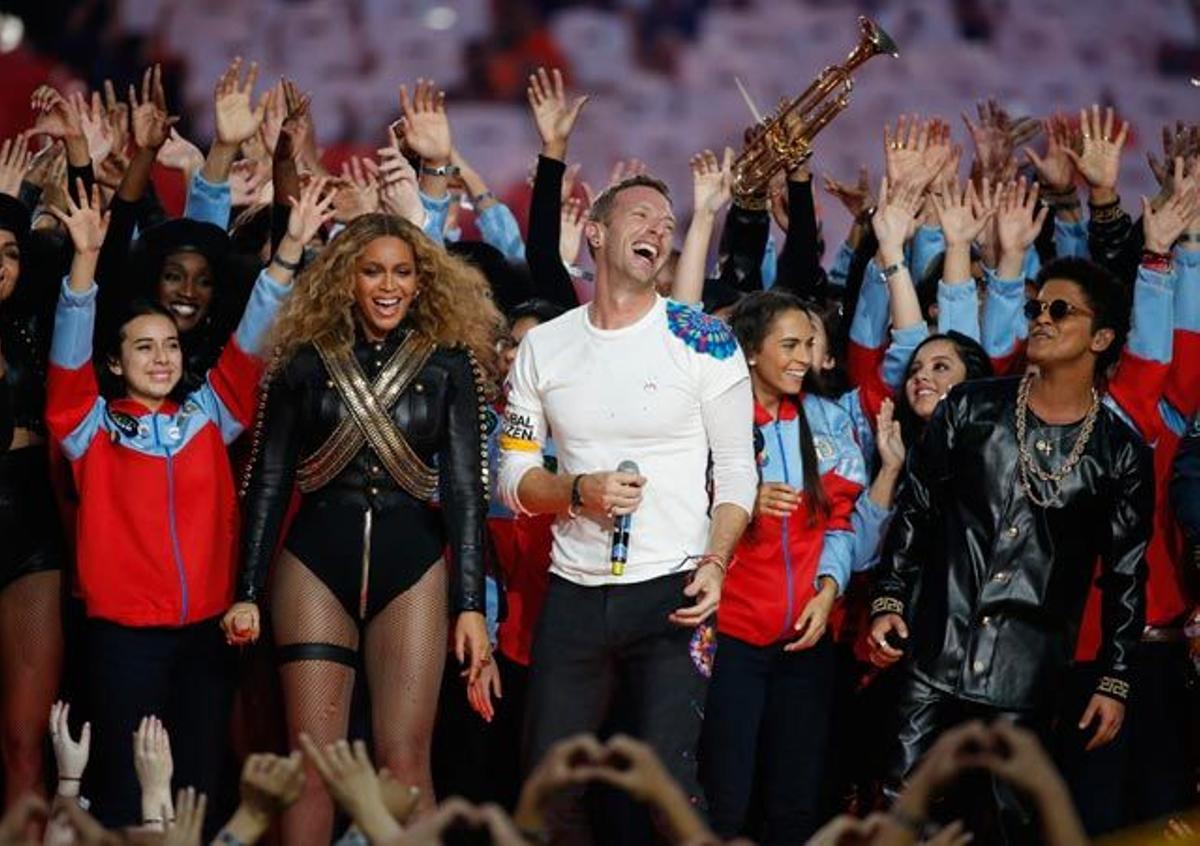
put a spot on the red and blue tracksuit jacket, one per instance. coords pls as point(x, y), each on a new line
point(778, 561)
point(157, 523)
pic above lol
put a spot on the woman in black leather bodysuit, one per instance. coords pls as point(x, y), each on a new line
point(376, 404)
point(31, 542)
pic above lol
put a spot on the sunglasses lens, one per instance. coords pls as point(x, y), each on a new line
point(1032, 309)
point(1059, 309)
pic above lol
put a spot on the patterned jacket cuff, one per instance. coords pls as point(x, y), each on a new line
point(886, 605)
point(1113, 687)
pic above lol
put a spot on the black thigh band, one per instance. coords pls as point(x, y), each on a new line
point(317, 652)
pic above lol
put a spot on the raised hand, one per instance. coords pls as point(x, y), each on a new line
point(353, 783)
point(712, 181)
point(994, 138)
point(312, 210)
point(93, 120)
point(1019, 219)
point(151, 124)
point(358, 193)
point(1163, 226)
point(554, 116)
point(1182, 141)
point(274, 113)
point(154, 765)
point(398, 191)
point(856, 198)
point(84, 221)
point(271, 783)
point(55, 115)
point(623, 169)
point(424, 127)
point(961, 213)
point(889, 441)
point(189, 819)
point(14, 162)
point(70, 755)
point(570, 232)
point(895, 216)
point(1099, 162)
point(1055, 170)
point(247, 178)
point(917, 151)
point(178, 153)
point(236, 119)
point(116, 115)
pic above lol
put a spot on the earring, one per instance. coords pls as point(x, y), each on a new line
point(752, 362)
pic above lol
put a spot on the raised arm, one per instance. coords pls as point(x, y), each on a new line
point(496, 222)
point(236, 119)
point(555, 119)
point(711, 189)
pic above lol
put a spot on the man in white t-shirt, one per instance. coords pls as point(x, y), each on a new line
point(629, 377)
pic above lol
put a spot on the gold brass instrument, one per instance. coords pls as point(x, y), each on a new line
point(785, 137)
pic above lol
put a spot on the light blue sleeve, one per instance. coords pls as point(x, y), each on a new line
point(1070, 239)
point(499, 228)
point(1003, 319)
point(868, 328)
point(895, 360)
point(870, 522)
point(208, 202)
point(1153, 311)
point(837, 553)
point(839, 272)
point(958, 308)
point(927, 243)
point(770, 265)
point(436, 209)
point(491, 602)
point(1187, 290)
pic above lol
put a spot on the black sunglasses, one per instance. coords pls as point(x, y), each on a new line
point(1058, 309)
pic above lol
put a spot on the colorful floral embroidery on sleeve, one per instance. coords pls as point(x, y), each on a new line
point(701, 332)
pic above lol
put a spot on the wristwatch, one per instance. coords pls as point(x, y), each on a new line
point(576, 497)
point(440, 170)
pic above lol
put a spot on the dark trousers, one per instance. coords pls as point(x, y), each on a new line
point(592, 643)
point(991, 808)
point(184, 676)
point(1145, 773)
point(767, 720)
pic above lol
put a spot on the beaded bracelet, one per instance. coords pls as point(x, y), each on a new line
point(482, 198)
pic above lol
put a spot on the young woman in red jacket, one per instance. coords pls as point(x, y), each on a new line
point(157, 520)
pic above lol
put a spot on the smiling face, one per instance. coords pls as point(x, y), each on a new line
point(1069, 338)
point(10, 263)
point(785, 356)
point(385, 284)
point(935, 369)
point(636, 240)
point(151, 361)
point(185, 288)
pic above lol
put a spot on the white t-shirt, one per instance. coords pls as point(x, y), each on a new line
point(661, 392)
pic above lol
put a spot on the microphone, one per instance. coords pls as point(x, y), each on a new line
point(621, 526)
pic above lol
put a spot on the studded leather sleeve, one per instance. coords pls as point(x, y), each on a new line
point(465, 478)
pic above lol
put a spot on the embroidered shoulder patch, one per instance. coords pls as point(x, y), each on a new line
point(702, 332)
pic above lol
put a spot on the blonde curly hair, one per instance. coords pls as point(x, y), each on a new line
point(455, 307)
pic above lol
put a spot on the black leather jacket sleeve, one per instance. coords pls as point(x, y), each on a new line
point(274, 456)
point(463, 483)
point(1185, 483)
point(1123, 574)
point(912, 539)
point(800, 261)
point(551, 280)
point(743, 243)
point(1116, 242)
point(6, 417)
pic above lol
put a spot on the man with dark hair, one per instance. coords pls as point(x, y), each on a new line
point(1018, 486)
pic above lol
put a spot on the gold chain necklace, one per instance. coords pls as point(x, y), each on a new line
point(1028, 464)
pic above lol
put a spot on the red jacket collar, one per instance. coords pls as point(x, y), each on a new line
point(787, 410)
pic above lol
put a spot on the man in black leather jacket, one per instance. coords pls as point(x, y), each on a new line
point(1185, 491)
point(1016, 489)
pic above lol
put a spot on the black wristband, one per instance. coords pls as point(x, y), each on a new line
point(293, 266)
point(576, 496)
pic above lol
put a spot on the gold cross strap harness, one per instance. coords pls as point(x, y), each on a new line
point(369, 422)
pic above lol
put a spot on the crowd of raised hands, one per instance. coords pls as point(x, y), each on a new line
point(381, 810)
